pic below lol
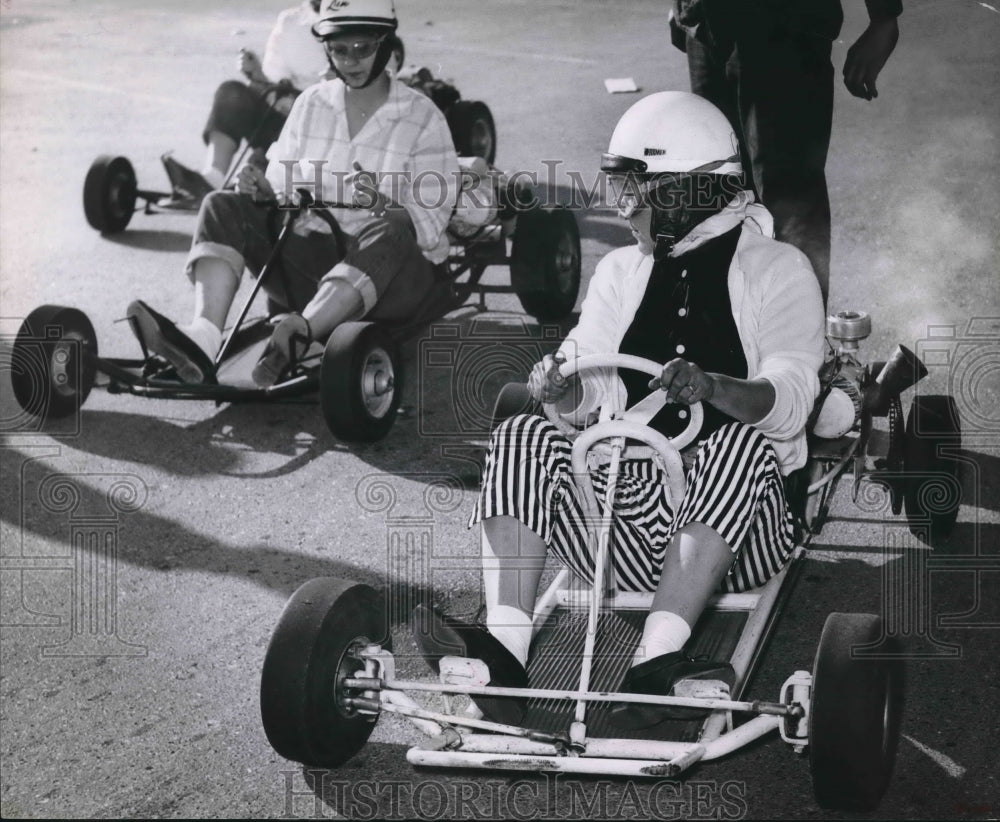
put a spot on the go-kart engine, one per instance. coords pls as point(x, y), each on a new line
point(842, 377)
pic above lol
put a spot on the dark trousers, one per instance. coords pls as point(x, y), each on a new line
point(243, 114)
point(775, 85)
point(382, 260)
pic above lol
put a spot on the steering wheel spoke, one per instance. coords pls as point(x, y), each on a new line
point(631, 423)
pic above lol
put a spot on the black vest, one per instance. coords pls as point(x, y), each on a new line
point(685, 312)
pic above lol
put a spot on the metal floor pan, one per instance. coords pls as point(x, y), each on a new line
point(555, 663)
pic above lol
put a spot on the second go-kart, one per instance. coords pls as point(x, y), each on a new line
point(111, 189)
point(329, 671)
point(357, 371)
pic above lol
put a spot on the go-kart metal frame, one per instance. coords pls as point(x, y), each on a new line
point(329, 671)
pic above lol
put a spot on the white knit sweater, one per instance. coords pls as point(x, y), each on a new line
point(776, 304)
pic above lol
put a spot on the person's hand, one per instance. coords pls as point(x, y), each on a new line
point(248, 63)
point(545, 383)
point(251, 180)
point(283, 105)
point(684, 382)
point(365, 193)
point(868, 55)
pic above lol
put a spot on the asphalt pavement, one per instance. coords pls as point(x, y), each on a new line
point(147, 547)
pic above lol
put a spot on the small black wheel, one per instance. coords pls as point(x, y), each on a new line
point(512, 400)
point(932, 490)
point(109, 193)
point(314, 648)
point(360, 382)
point(855, 713)
point(545, 262)
point(52, 362)
point(472, 129)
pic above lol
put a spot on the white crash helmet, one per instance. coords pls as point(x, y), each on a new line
point(336, 16)
point(673, 131)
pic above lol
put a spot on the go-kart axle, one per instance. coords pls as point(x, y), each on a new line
point(756, 706)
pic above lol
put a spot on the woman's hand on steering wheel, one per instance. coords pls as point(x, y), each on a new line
point(684, 382)
point(545, 383)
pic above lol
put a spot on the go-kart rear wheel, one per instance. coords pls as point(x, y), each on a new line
point(314, 648)
point(855, 713)
point(109, 193)
point(545, 262)
point(932, 491)
point(52, 362)
point(360, 382)
point(472, 129)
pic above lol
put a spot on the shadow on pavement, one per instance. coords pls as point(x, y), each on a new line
point(149, 240)
point(46, 504)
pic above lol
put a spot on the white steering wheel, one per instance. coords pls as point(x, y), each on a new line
point(632, 423)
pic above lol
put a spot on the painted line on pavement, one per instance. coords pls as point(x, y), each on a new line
point(949, 765)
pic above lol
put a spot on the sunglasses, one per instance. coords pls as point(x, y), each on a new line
point(357, 50)
point(632, 192)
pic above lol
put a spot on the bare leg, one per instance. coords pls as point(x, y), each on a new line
point(336, 302)
point(516, 556)
point(220, 153)
point(215, 287)
point(696, 561)
point(513, 560)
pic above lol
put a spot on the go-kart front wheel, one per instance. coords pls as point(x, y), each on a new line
point(315, 647)
point(932, 491)
point(472, 129)
point(855, 712)
point(360, 382)
point(52, 362)
point(545, 262)
point(109, 194)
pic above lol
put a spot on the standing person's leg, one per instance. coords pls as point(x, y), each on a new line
point(707, 71)
point(784, 82)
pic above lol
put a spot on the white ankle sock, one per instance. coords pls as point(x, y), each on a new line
point(214, 177)
point(512, 627)
point(206, 334)
point(663, 633)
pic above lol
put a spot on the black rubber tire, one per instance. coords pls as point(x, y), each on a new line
point(309, 655)
point(855, 713)
point(513, 399)
point(51, 372)
point(109, 194)
point(472, 129)
point(545, 262)
point(361, 381)
point(932, 491)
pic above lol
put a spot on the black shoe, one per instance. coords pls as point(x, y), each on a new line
point(658, 676)
point(438, 635)
point(162, 337)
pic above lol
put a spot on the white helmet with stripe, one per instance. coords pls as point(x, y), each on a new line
point(336, 16)
point(673, 131)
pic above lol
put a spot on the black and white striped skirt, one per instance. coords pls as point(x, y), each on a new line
point(733, 486)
